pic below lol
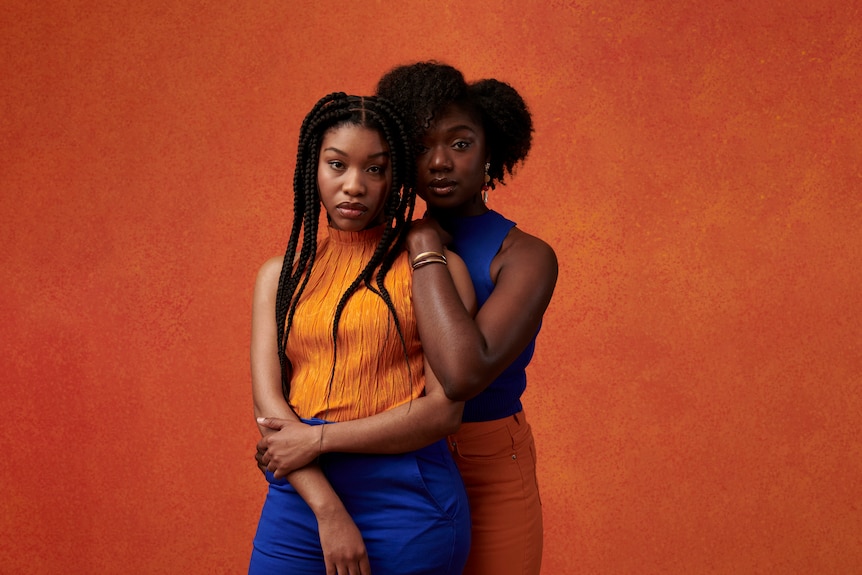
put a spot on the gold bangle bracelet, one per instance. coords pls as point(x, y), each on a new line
point(429, 260)
point(426, 254)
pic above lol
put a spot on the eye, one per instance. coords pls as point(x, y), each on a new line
point(420, 149)
point(462, 144)
point(336, 164)
point(377, 170)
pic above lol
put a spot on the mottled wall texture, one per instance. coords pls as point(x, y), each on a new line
point(696, 390)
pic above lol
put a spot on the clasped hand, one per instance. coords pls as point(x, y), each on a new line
point(289, 445)
point(425, 234)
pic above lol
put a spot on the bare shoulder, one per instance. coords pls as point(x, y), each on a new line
point(528, 252)
point(269, 272)
point(525, 275)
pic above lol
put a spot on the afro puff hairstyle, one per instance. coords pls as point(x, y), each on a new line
point(423, 90)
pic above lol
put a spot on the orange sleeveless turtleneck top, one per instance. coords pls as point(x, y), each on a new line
point(371, 370)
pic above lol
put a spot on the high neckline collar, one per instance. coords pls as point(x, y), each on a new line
point(370, 235)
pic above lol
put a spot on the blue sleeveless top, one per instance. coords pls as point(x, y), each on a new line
point(477, 239)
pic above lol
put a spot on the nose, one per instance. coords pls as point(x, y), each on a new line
point(439, 160)
point(354, 183)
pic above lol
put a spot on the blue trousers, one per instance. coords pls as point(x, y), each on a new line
point(411, 509)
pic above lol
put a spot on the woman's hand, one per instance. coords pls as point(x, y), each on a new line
point(426, 235)
point(289, 446)
point(344, 550)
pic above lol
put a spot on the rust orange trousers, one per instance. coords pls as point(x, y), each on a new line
point(497, 460)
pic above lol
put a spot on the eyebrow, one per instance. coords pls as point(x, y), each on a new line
point(337, 151)
point(461, 127)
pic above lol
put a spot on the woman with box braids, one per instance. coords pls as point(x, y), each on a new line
point(334, 109)
point(334, 339)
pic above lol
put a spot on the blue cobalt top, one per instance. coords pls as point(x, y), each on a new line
point(477, 239)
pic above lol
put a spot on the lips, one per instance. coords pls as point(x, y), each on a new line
point(441, 186)
point(351, 210)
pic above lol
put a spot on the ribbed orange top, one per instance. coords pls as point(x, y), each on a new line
point(371, 373)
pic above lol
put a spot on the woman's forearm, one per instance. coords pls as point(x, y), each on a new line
point(446, 326)
point(446, 329)
point(315, 490)
point(405, 428)
point(468, 352)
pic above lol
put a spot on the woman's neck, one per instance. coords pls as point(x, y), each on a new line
point(473, 207)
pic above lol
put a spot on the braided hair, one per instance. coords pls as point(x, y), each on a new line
point(331, 111)
point(424, 90)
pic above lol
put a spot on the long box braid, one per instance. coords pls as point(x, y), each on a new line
point(334, 110)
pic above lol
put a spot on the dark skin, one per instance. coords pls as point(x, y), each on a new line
point(450, 174)
point(505, 324)
point(466, 352)
point(353, 175)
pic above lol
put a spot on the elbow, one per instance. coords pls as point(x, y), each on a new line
point(467, 379)
point(259, 408)
point(462, 389)
point(447, 414)
point(455, 393)
point(451, 423)
point(451, 429)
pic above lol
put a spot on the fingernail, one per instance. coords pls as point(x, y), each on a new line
point(261, 419)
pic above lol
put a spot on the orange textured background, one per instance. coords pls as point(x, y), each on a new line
point(696, 392)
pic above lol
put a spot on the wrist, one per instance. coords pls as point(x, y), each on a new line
point(418, 243)
point(427, 258)
point(330, 512)
point(321, 441)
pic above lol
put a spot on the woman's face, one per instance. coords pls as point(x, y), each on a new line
point(353, 177)
point(450, 170)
